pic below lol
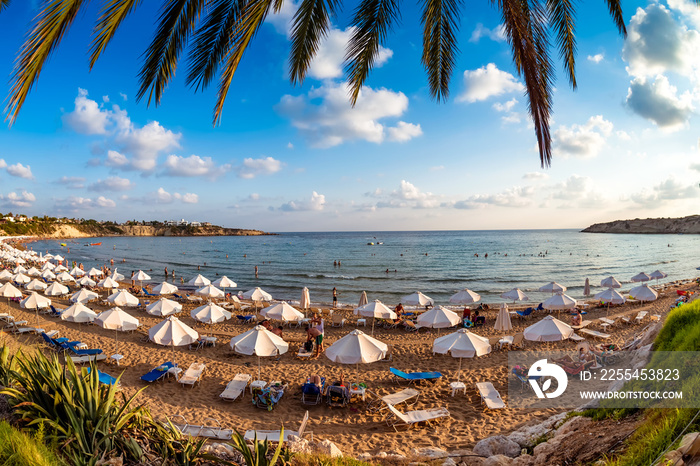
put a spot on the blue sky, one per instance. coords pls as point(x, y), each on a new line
point(299, 158)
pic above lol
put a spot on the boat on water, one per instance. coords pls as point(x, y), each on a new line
point(95, 244)
point(64, 244)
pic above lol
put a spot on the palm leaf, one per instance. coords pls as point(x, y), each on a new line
point(440, 24)
point(51, 24)
point(212, 41)
point(526, 49)
point(247, 26)
point(372, 21)
point(616, 12)
point(561, 14)
point(176, 23)
point(111, 17)
point(310, 26)
point(4, 4)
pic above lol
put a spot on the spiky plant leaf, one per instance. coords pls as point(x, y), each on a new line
point(113, 13)
point(309, 27)
point(440, 25)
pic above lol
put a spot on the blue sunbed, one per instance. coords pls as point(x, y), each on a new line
point(525, 312)
point(245, 319)
point(311, 393)
point(157, 373)
point(147, 293)
point(79, 352)
point(104, 378)
point(414, 376)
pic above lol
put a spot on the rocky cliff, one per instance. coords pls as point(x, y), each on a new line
point(684, 225)
point(145, 230)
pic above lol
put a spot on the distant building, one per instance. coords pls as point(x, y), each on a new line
point(195, 224)
point(206, 224)
point(183, 223)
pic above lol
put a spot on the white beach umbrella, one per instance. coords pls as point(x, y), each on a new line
point(116, 276)
point(36, 285)
point(65, 277)
point(610, 296)
point(610, 282)
point(548, 329)
point(210, 291)
point(199, 281)
point(141, 276)
point(465, 296)
point(282, 311)
point(164, 288)
point(417, 299)
point(47, 266)
point(656, 274)
point(93, 272)
point(224, 282)
point(164, 307)
point(108, 283)
point(5, 275)
point(77, 272)
point(78, 313)
point(462, 344)
point(48, 275)
point(260, 342)
point(172, 332)
point(59, 258)
point(19, 269)
point(210, 314)
point(123, 298)
point(641, 277)
point(644, 293)
point(438, 317)
point(357, 347)
point(377, 310)
point(257, 294)
point(83, 296)
point(35, 301)
point(559, 302)
point(21, 278)
point(18, 260)
point(305, 301)
point(56, 289)
point(86, 281)
point(60, 268)
point(34, 272)
point(503, 323)
point(363, 299)
point(119, 321)
point(553, 287)
point(9, 291)
point(516, 295)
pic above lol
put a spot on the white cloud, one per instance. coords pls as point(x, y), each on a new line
point(577, 193)
point(254, 197)
point(517, 196)
point(123, 96)
point(105, 99)
point(583, 141)
point(116, 159)
point(77, 205)
point(21, 199)
point(87, 117)
point(658, 102)
point(282, 20)
point(3, 164)
point(507, 108)
point(290, 145)
point(535, 176)
point(113, 183)
point(597, 58)
point(328, 62)
point(316, 202)
point(403, 132)
point(334, 121)
point(163, 197)
point(145, 143)
point(497, 34)
point(20, 171)
point(623, 135)
point(250, 168)
point(72, 182)
point(437, 168)
point(488, 81)
point(104, 202)
point(668, 190)
point(408, 195)
point(193, 165)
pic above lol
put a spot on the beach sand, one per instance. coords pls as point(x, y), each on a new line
point(352, 429)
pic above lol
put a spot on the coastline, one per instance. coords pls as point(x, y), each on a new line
point(651, 226)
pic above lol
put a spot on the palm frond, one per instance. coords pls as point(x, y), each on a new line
point(247, 26)
point(535, 69)
point(212, 41)
point(440, 25)
point(561, 14)
point(176, 23)
point(310, 26)
point(111, 17)
point(372, 20)
point(50, 25)
point(616, 12)
point(4, 4)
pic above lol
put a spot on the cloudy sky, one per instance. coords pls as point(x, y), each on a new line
point(299, 158)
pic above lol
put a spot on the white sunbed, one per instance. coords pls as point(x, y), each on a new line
point(274, 435)
point(192, 375)
point(393, 399)
point(410, 418)
point(576, 337)
point(596, 334)
point(88, 358)
point(490, 396)
point(640, 316)
point(236, 387)
point(208, 431)
point(584, 324)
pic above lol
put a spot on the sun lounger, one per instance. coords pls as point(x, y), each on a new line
point(490, 396)
point(410, 418)
point(158, 373)
point(337, 320)
point(246, 319)
point(311, 393)
point(305, 354)
point(584, 324)
point(88, 358)
point(640, 316)
point(414, 376)
point(19, 327)
point(394, 399)
point(274, 435)
point(193, 374)
point(525, 313)
point(595, 333)
point(576, 337)
point(208, 431)
point(235, 387)
point(80, 352)
point(105, 379)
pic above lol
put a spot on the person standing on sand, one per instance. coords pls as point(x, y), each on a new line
point(335, 297)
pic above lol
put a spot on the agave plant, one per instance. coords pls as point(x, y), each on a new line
point(8, 366)
point(258, 455)
point(218, 33)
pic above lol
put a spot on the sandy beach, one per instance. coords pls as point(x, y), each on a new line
point(353, 429)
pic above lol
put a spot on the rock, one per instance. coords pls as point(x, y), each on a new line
point(381, 454)
point(690, 444)
point(449, 462)
point(396, 456)
point(521, 439)
point(429, 452)
point(544, 451)
point(367, 456)
point(417, 463)
point(456, 453)
point(573, 424)
point(328, 448)
point(298, 445)
point(523, 460)
point(497, 445)
point(497, 460)
point(672, 458)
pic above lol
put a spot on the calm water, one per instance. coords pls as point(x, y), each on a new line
point(436, 263)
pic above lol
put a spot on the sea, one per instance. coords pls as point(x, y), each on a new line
point(389, 265)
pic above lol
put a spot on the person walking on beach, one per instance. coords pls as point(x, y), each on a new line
point(335, 297)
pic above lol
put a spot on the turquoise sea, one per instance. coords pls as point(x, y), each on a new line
point(438, 263)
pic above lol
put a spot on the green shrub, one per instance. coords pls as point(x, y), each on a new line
point(19, 449)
